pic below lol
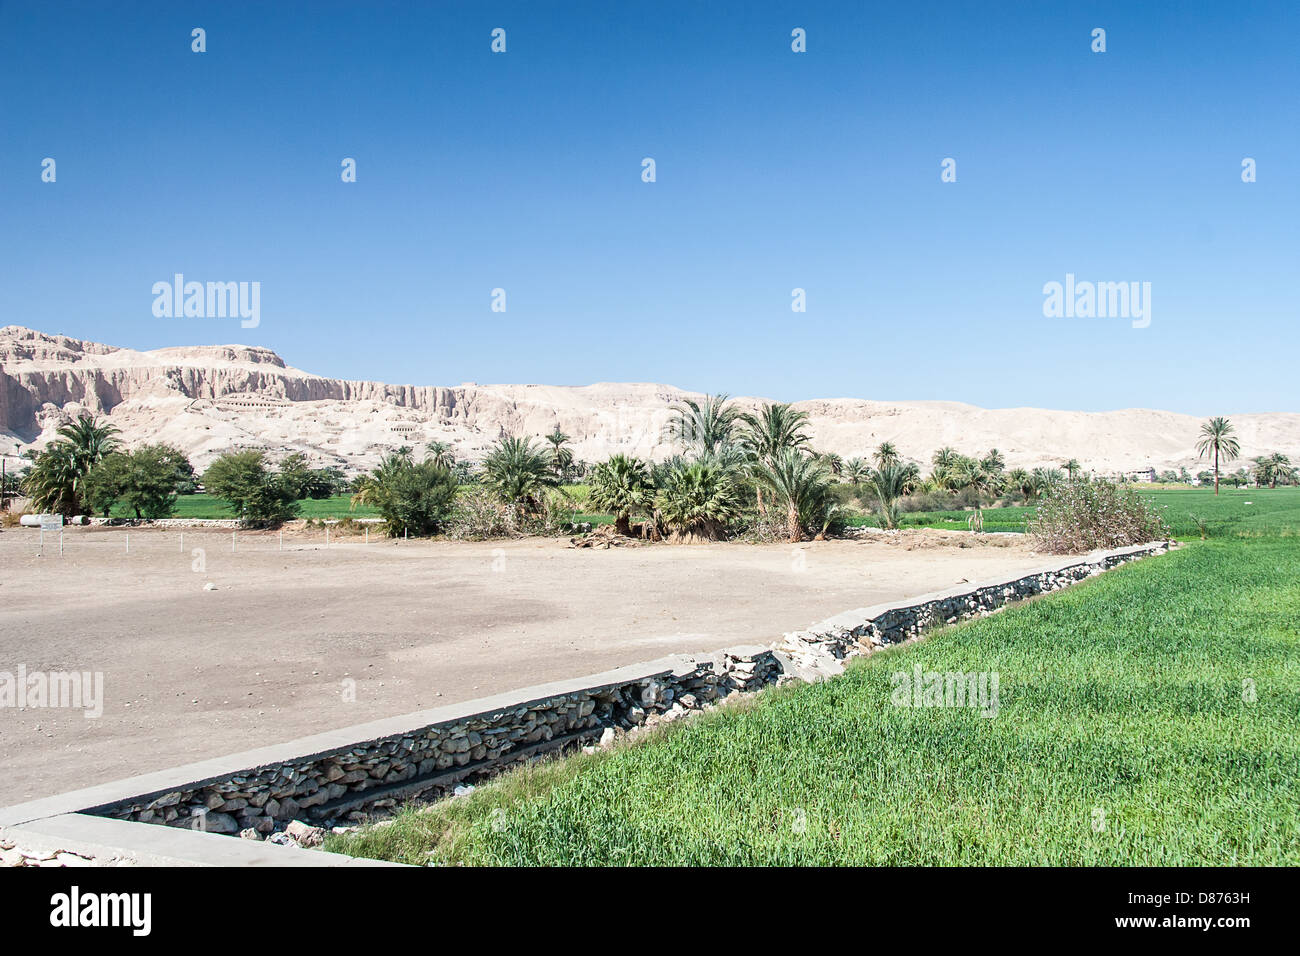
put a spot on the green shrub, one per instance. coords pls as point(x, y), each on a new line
point(259, 497)
point(412, 497)
point(144, 481)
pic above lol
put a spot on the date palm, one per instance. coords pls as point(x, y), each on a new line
point(441, 454)
point(561, 457)
point(799, 484)
point(856, 471)
point(994, 461)
point(774, 429)
point(1217, 439)
point(518, 473)
point(57, 481)
point(891, 483)
point(1071, 467)
point(885, 454)
point(90, 439)
point(1020, 480)
point(704, 427)
point(53, 479)
point(945, 457)
point(1044, 479)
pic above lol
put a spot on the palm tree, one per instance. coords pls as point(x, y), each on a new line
point(53, 479)
point(1216, 437)
point(441, 454)
point(697, 498)
point(885, 454)
point(830, 461)
point(622, 486)
point(1071, 467)
point(518, 473)
point(945, 457)
point(800, 484)
point(890, 483)
point(994, 461)
point(704, 427)
point(856, 471)
point(1019, 480)
point(90, 440)
point(984, 482)
point(1044, 479)
point(1270, 469)
point(774, 429)
point(944, 462)
point(1281, 469)
point(561, 457)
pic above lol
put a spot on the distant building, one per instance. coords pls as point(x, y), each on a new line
point(1140, 475)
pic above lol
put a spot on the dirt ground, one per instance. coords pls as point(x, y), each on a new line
point(265, 654)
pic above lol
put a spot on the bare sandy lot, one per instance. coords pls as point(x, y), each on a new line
point(191, 673)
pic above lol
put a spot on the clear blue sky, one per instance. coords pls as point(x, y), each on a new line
point(775, 170)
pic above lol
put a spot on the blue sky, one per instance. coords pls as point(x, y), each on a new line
point(775, 170)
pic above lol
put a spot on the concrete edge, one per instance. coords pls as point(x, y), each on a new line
point(859, 616)
point(144, 844)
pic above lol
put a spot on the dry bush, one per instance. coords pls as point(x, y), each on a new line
point(1080, 516)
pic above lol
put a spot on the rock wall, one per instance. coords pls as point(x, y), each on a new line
point(353, 783)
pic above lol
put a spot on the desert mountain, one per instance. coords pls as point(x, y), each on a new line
point(211, 399)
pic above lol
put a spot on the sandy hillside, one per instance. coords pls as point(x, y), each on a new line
point(210, 399)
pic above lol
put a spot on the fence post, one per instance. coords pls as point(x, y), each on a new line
point(281, 540)
point(327, 536)
point(182, 542)
point(232, 541)
point(60, 543)
point(128, 542)
point(367, 534)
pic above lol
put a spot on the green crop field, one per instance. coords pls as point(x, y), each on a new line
point(206, 506)
point(1233, 513)
point(1145, 717)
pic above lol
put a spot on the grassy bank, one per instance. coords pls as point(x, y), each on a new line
point(1126, 734)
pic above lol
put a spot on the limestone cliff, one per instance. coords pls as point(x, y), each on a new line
point(210, 399)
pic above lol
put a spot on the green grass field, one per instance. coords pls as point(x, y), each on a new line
point(1148, 716)
point(1233, 513)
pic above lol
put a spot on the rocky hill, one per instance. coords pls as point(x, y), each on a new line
point(211, 399)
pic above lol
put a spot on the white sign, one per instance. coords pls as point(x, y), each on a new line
point(51, 522)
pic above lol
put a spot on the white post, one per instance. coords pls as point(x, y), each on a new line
point(232, 541)
point(182, 542)
point(60, 543)
point(327, 536)
point(367, 534)
point(281, 540)
point(41, 552)
point(128, 542)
